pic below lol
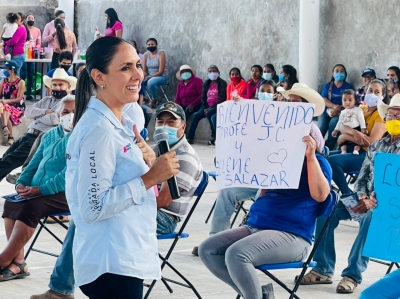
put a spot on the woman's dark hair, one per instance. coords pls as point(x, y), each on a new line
point(28, 33)
point(79, 65)
point(59, 12)
point(60, 25)
point(66, 55)
point(214, 66)
point(345, 72)
point(270, 66)
point(98, 56)
point(382, 83)
point(396, 69)
point(292, 72)
point(11, 17)
point(269, 82)
point(134, 44)
point(259, 67)
point(152, 39)
point(352, 93)
point(112, 17)
point(235, 68)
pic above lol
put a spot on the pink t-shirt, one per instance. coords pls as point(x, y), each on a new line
point(212, 94)
point(36, 38)
point(111, 31)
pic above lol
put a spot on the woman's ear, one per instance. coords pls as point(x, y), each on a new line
point(98, 77)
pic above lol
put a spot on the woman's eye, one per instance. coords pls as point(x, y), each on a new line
point(126, 68)
point(139, 66)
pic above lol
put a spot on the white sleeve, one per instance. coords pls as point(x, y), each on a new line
point(339, 121)
point(97, 197)
point(361, 119)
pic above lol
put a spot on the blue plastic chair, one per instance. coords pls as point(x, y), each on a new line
point(42, 224)
point(326, 209)
point(176, 236)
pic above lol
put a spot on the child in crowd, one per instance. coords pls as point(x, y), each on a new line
point(9, 29)
point(351, 116)
point(267, 90)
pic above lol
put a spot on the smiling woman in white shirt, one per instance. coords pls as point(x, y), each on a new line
point(109, 185)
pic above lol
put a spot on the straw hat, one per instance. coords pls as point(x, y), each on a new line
point(182, 68)
point(307, 93)
point(394, 103)
point(60, 74)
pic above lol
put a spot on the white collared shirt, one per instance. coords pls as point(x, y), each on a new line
point(115, 216)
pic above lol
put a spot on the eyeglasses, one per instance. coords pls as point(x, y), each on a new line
point(390, 116)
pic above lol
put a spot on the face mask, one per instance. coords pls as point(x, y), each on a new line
point(393, 80)
point(213, 76)
point(265, 96)
point(186, 76)
point(151, 49)
point(66, 122)
point(339, 77)
point(393, 127)
point(65, 67)
point(6, 74)
point(372, 100)
point(267, 76)
point(58, 94)
point(30, 23)
point(172, 134)
point(282, 78)
point(236, 80)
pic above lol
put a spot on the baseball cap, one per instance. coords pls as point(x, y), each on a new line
point(10, 64)
point(172, 108)
point(370, 72)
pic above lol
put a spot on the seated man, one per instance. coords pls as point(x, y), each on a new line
point(43, 180)
point(64, 61)
point(325, 255)
point(45, 117)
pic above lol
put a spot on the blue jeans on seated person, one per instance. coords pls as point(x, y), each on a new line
point(325, 255)
point(19, 59)
point(386, 288)
point(165, 223)
point(345, 163)
point(62, 279)
point(328, 124)
point(225, 206)
point(152, 85)
point(147, 116)
point(199, 115)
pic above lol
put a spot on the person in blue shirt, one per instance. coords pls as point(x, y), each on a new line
point(332, 93)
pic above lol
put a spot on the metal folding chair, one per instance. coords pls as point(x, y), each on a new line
point(163, 91)
point(327, 209)
point(42, 224)
point(176, 236)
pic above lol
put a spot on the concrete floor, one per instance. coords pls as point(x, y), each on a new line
point(208, 286)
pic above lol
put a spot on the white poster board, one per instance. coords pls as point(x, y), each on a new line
point(259, 143)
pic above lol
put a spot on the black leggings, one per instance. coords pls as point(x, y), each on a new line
point(113, 286)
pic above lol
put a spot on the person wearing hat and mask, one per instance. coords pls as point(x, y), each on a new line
point(64, 61)
point(44, 180)
point(12, 90)
point(368, 75)
point(171, 118)
point(188, 93)
point(364, 187)
point(44, 114)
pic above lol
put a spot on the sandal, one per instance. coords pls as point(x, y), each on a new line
point(6, 131)
point(9, 275)
point(313, 277)
point(346, 285)
point(10, 141)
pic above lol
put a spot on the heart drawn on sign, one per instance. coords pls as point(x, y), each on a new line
point(278, 157)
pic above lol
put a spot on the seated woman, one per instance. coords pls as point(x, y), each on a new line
point(232, 255)
point(214, 93)
point(288, 77)
point(237, 85)
point(393, 73)
point(43, 180)
point(12, 90)
point(250, 92)
point(267, 90)
point(270, 73)
point(188, 93)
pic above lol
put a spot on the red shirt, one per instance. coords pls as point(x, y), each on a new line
point(250, 91)
point(231, 87)
point(189, 94)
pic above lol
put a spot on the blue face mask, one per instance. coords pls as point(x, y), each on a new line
point(172, 134)
point(339, 77)
point(265, 96)
point(267, 76)
point(186, 75)
point(282, 78)
point(6, 73)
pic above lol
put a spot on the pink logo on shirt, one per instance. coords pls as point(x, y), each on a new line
point(127, 147)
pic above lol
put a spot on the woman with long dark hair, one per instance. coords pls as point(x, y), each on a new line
point(288, 76)
point(49, 31)
point(64, 40)
point(236, 86)
point(114, 25)
point(109, 186)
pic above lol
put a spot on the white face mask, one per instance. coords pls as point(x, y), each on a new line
point(66, 122)
point(372, 100)
point(267, 76)
point(213, 76)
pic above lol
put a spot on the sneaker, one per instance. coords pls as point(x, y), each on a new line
point(195, 251)
point(12, 178)
point(268, 291)
point(52, 295)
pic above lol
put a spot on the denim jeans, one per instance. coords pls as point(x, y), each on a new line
point(232, 255)
point(325, 255)
point(19, 59)
point(152, 85)
point(188, 113)
point(147, 116)
point(165, 223)
point(214, 122)
point(344, 163)
point(225, 206)
point(199, 115)
point(386, 288)
point(62, 279)
point(328, 124)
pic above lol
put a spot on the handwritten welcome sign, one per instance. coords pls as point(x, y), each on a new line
point(383, 240)
point(259, 143)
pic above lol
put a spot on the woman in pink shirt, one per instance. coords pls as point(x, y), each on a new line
point(114, 25)
point(36, 36)
point(252, 84)
point(49, 31)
